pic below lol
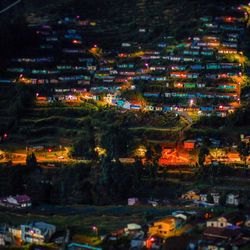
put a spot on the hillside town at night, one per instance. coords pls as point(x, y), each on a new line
point(125, 125)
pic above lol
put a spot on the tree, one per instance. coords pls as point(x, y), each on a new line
point(243, 149)
point(223, 199)
point(116, 139)
point(138, 169)
point(157, 152)
point(149, 154)
point(31, 160)
point(210, 198)
point(165, 173)
point(112, 182)
point(85, 146)
point(202, 155)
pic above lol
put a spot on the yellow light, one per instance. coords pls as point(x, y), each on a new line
point(101, 151)
point(140, 151)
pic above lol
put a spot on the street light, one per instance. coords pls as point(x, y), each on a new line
point(95, 229)
point(191, 102)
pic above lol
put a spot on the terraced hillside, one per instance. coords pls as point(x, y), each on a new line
point(49, 126)
point(116, 22)
point(57, 124)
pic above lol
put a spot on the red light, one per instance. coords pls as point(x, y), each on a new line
point(5, 135)
point(49, 150)
point(229, 19)
point(76, 42)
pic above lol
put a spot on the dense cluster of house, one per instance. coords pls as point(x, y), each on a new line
point(226, 232)
point(210, 199)
point(202, 73)
point(153, 235)
point(216, 230)
point(196, 198)
point(38, 234)
point(35, 232)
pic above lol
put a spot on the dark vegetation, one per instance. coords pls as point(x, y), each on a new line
point(106, 180)
point(13, 30)
point(229, 127)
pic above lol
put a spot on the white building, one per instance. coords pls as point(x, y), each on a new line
point(233, 199)
point(220, 222)
point(37, 232)
point(18, 201)
point(133, 201)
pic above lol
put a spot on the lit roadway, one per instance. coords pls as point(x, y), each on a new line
point(42, 156)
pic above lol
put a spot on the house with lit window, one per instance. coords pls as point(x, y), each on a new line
point(227, 51)
point(37, 232)
point(190, 195)
point(227, 220)
point(18, 201)
point(189, 144)
point(166, 227)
